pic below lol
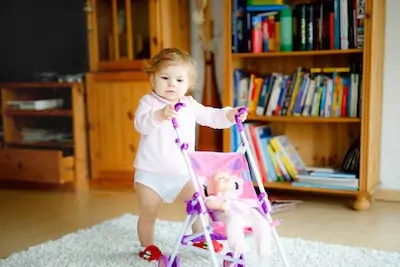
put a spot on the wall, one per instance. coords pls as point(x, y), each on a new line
point(390, 147)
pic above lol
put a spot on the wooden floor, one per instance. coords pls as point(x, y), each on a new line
point(32, 217)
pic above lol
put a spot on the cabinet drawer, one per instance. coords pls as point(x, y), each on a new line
point(42, 166)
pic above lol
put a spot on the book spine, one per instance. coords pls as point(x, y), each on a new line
point(336, 13)
point(256, 35)
point(286, 29)
point(310, 27)
point(277, 23)
point(303, 26)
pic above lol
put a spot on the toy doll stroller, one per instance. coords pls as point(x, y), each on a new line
point(203, 164)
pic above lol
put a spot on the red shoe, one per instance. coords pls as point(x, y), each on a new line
point(151, 253)
point(217, 246)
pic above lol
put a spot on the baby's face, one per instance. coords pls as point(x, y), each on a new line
point(172, 82)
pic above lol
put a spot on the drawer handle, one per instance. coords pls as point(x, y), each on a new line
point(132, 148)
point(130, 115)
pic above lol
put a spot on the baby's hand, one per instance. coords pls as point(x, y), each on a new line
point(166, 113)
point(231, 115)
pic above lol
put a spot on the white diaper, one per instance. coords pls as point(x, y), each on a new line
point(167, 187)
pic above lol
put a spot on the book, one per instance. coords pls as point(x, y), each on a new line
point(321, 25)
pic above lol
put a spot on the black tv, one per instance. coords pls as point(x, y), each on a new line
point(42, 36)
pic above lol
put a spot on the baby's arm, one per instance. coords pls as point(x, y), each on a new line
point(215, 118)
point(145, 120)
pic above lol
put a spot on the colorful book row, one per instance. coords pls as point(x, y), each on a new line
point(278, 161)
point(321, 92)
point(322, 25)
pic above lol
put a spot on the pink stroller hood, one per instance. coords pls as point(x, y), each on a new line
point(205, 164)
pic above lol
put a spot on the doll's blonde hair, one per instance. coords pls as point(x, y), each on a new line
point(172, 56)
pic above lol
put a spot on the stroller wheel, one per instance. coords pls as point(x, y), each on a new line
point(227, 263)
point(164, 261)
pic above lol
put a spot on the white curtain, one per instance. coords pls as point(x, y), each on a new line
point(196, 51)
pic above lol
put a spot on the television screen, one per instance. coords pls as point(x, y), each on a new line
point(42, 36)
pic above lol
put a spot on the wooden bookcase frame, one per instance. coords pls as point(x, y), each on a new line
point(44, 164)
point(369, 125)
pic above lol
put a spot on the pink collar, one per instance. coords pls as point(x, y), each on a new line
point(160, 98)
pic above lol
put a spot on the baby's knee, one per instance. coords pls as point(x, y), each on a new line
point(148, 211)
point(147, 218)
point(149, 201)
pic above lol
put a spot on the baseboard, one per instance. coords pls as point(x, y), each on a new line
point(387, 195)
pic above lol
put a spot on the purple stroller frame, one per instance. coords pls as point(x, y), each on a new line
point(195, 208)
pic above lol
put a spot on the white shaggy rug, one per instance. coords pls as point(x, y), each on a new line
point(114, 243)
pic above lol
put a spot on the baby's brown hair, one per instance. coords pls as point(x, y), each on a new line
point(171, 56)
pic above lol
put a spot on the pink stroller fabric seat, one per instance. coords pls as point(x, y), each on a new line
point(205, 164)
point(219, 229)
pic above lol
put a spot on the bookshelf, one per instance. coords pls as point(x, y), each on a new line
point(44, 134)
point(321, 138)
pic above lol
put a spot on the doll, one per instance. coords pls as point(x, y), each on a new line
point(236, 213)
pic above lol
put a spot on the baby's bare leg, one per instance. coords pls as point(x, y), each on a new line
point(186, 194)
point(149, 205)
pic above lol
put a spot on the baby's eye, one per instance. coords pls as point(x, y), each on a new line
point(180, 80)
point(164, 78)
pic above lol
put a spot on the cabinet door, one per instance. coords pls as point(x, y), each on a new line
point(122, 32)
point(112, 99)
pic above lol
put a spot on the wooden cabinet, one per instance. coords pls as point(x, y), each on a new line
point(44, 143)
point(36, 165)
point(124, 32)
point(112, 99)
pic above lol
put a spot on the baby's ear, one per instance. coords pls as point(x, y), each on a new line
point(152, 80)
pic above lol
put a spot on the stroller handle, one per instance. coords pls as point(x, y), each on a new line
point(177, 107)
point(239, 123)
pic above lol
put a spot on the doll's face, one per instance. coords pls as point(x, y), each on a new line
point(222, 183)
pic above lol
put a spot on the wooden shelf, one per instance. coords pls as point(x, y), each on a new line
point(42, 113)
point(297, 53)
point(15, 85)
point(289, 186)
point(303, 119)
point(52, 144)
